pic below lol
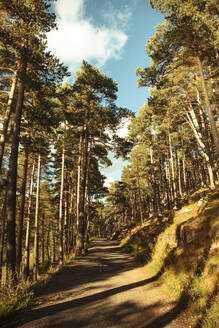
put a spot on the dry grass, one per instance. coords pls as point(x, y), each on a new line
point(15, 298)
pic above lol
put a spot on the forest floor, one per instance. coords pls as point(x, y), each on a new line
point(104, 289)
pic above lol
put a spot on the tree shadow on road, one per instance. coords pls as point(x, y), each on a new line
point(39, 313)
point(169, 316)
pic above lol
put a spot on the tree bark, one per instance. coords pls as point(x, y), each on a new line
point(48, 244)
point(194, 125)
point(43, 240)
point(61, 251)
point(27, 238)
point(172, 169)
point(87, 204)
point(36, 225)
point(208, 106)
point(79, 219)
point(54, 247)
point(7, 117)
point(21, 218)
point(12, 183)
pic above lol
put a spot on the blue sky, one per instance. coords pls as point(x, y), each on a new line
point(110, 34)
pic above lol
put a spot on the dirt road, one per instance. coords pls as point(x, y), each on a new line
point(106, 289)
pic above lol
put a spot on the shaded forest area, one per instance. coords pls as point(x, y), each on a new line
point(55, 137)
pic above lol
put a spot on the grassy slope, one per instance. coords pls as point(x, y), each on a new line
point(184, 250)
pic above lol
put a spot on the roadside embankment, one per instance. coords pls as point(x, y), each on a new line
point(183, 249)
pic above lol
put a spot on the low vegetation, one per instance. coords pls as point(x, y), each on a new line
point(17, 297)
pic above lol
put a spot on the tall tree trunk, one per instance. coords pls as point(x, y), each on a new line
point(79, 169)
point(66, 227)
point(43, 239)
point(88, 222)
point(7, 117)
point(71, 221)
point(201, 137)
point(172, 169)
point(207, 137)
point(87, 204)
point(68, 220)
point(48, 244)
point(21, 218)
point(61, 251)
point(53, 246)
point(139, 192)
point(215, 96)
point(27, 237)
point(36, 225)
point(194, 125)
point(80, 242)
point(179, 174)
point(154, 186)
point(80, 208)
point(12, 183)
point(208, 106)
point(184, 172)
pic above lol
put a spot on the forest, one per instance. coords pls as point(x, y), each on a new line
point(56, 136)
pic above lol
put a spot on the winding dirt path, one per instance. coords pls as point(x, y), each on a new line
point(106, 289)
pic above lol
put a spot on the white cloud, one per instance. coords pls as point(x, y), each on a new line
point(69, 10)
point(123, 128)
point(108, 181)
point(78, 37)
point(118, 18)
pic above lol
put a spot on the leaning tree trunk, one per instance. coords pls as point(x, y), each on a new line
point(192, 120)
point(7, 117)
point(21, 218)
point(36, 225)
point(12, 183)
point(208, 106)
point(27, 238)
